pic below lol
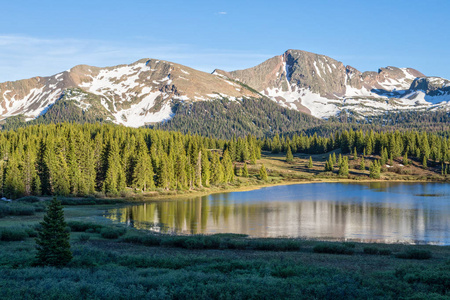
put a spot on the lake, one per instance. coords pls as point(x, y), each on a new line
point(384, 212)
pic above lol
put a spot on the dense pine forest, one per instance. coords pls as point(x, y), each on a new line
point(81, 160)
point(74, 159)
point(225, 119)
point(389, 145)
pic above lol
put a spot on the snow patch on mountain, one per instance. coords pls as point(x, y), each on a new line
point(140, 114)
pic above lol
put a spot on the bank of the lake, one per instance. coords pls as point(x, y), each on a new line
point(117, 261)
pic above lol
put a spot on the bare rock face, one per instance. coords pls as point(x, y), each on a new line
point(431, 85)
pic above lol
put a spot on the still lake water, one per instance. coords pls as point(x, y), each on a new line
point(378, 212)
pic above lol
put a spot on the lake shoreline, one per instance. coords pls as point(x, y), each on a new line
point(230, 189)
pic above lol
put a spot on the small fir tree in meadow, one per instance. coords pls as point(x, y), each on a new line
point(253, 157)
point(329, 165)
point(245, 170)
point(53, 241)
point(375, 170)
point(263, 173)
point(289, 156)
point(343, 168)
point(334, 158)
point(362, 166)
point(405, 159)
point(237, 170)
point(310, 163)
point(355, 154)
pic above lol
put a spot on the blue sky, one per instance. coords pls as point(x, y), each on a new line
point(45, 37)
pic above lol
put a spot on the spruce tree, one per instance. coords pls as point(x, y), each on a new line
point(245, 170)
point(253, 156)
point(263, 173)
point(289, 156)
point(362, 165)
point(53, 241)
point(217, 170)
point(343, 168)
point(375, 170)
point(205, 168)
point(405, 159)
point(237, 170)
point(143, 170)
point(310, 163)
point(424, 162)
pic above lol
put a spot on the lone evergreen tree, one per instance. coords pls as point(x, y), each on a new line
point(310, 163)
point(362, 166)
point(289, 156)
point(263, 173)
point(245, 170)
point(53, 240)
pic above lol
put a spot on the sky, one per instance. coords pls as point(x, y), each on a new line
point(42, 38)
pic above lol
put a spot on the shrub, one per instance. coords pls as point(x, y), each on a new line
point(13, 234)
point(112, 233)
point(371, 250)
point(275, 245)
point(83, 238)
point(236, 244)
point(146, 240)
point(31, 232)
point(28, 199)
point(333, 249)
point(385, 252)
point(349, 245)
point(414, 254)
point(77, 226)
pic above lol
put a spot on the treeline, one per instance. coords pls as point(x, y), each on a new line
point(75, 159)
point(394, 144)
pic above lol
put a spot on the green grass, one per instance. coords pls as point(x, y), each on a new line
point(105, 269)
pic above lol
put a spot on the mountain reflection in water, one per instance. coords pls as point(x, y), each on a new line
point(379, 212)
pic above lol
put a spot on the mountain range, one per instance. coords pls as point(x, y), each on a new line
point(147, 91)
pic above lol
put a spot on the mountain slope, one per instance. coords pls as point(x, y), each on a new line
point(134, 95)
point(324, 87)
point(225, 118)
point(146, 92)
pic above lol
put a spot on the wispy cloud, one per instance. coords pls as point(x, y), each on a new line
point(222, 12)
point(25, 57)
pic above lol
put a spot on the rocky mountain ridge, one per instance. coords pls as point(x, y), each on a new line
point(144, 92)
point(133, 95)
point(324, 87)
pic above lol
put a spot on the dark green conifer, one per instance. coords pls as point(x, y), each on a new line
point(53, 241)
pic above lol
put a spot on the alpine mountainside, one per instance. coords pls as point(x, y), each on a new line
point(324, 87)
point(151, 91)
point(133, 95)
